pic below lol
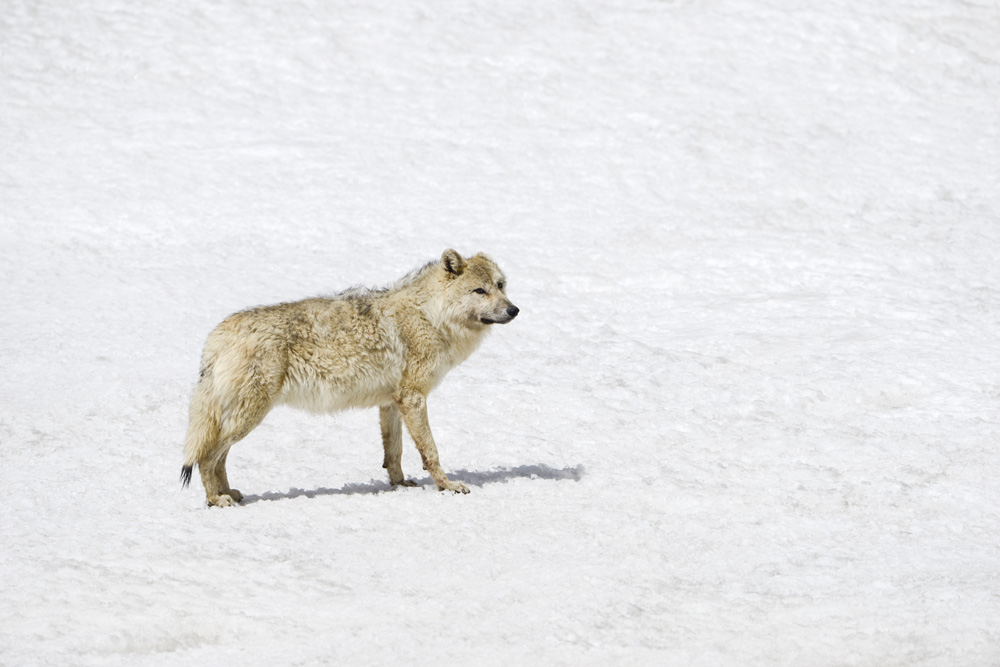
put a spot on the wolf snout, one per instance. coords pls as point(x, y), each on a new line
point(498, 318)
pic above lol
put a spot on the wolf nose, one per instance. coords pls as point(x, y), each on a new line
point(513, 311)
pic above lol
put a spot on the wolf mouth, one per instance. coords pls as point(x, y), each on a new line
point(511, 313)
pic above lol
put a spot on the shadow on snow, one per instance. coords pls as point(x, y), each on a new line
point(500, 475)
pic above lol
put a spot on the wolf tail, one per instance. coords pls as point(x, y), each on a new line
point(203, 429)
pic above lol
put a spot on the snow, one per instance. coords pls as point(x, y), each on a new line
point(748, 413)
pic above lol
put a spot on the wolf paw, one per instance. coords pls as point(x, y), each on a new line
point(405, 482)
point(457, 487)
point(222, 500)
point(235, 495)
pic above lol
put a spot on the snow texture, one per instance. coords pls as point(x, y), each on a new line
point(748, 414)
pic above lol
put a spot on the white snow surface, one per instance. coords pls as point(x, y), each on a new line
point(748, 414)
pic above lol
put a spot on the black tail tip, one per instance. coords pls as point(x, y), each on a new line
point(186, 476)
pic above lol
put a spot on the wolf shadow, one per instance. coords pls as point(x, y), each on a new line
point(500, 475)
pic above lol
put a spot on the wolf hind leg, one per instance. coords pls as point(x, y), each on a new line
point(220, 471)
point(213, 467)
point(245, 411)
point(392, 443)
point(214, 476)
point(215, 492)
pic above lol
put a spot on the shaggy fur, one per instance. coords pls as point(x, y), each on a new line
point(362, 348)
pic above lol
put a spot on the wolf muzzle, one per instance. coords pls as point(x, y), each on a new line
point(510, 314)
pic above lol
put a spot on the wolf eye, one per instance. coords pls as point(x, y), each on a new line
point(479, 290)
point(500, 285)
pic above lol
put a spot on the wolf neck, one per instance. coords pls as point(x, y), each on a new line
point(462, 340)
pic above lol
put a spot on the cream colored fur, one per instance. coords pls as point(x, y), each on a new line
point(362, 348)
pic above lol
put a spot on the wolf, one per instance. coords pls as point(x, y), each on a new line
point(362, 348)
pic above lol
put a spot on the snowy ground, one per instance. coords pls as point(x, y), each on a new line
point(749, 412)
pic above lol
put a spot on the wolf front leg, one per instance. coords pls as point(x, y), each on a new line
point(392, 443)
point(413, 406)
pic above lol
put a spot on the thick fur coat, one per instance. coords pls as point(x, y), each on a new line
point(362, 348)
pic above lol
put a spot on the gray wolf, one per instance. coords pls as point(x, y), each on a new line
point(362, 348)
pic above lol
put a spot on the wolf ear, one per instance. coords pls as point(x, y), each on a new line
point(453, 262)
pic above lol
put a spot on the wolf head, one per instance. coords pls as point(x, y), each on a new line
point(476, 290)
